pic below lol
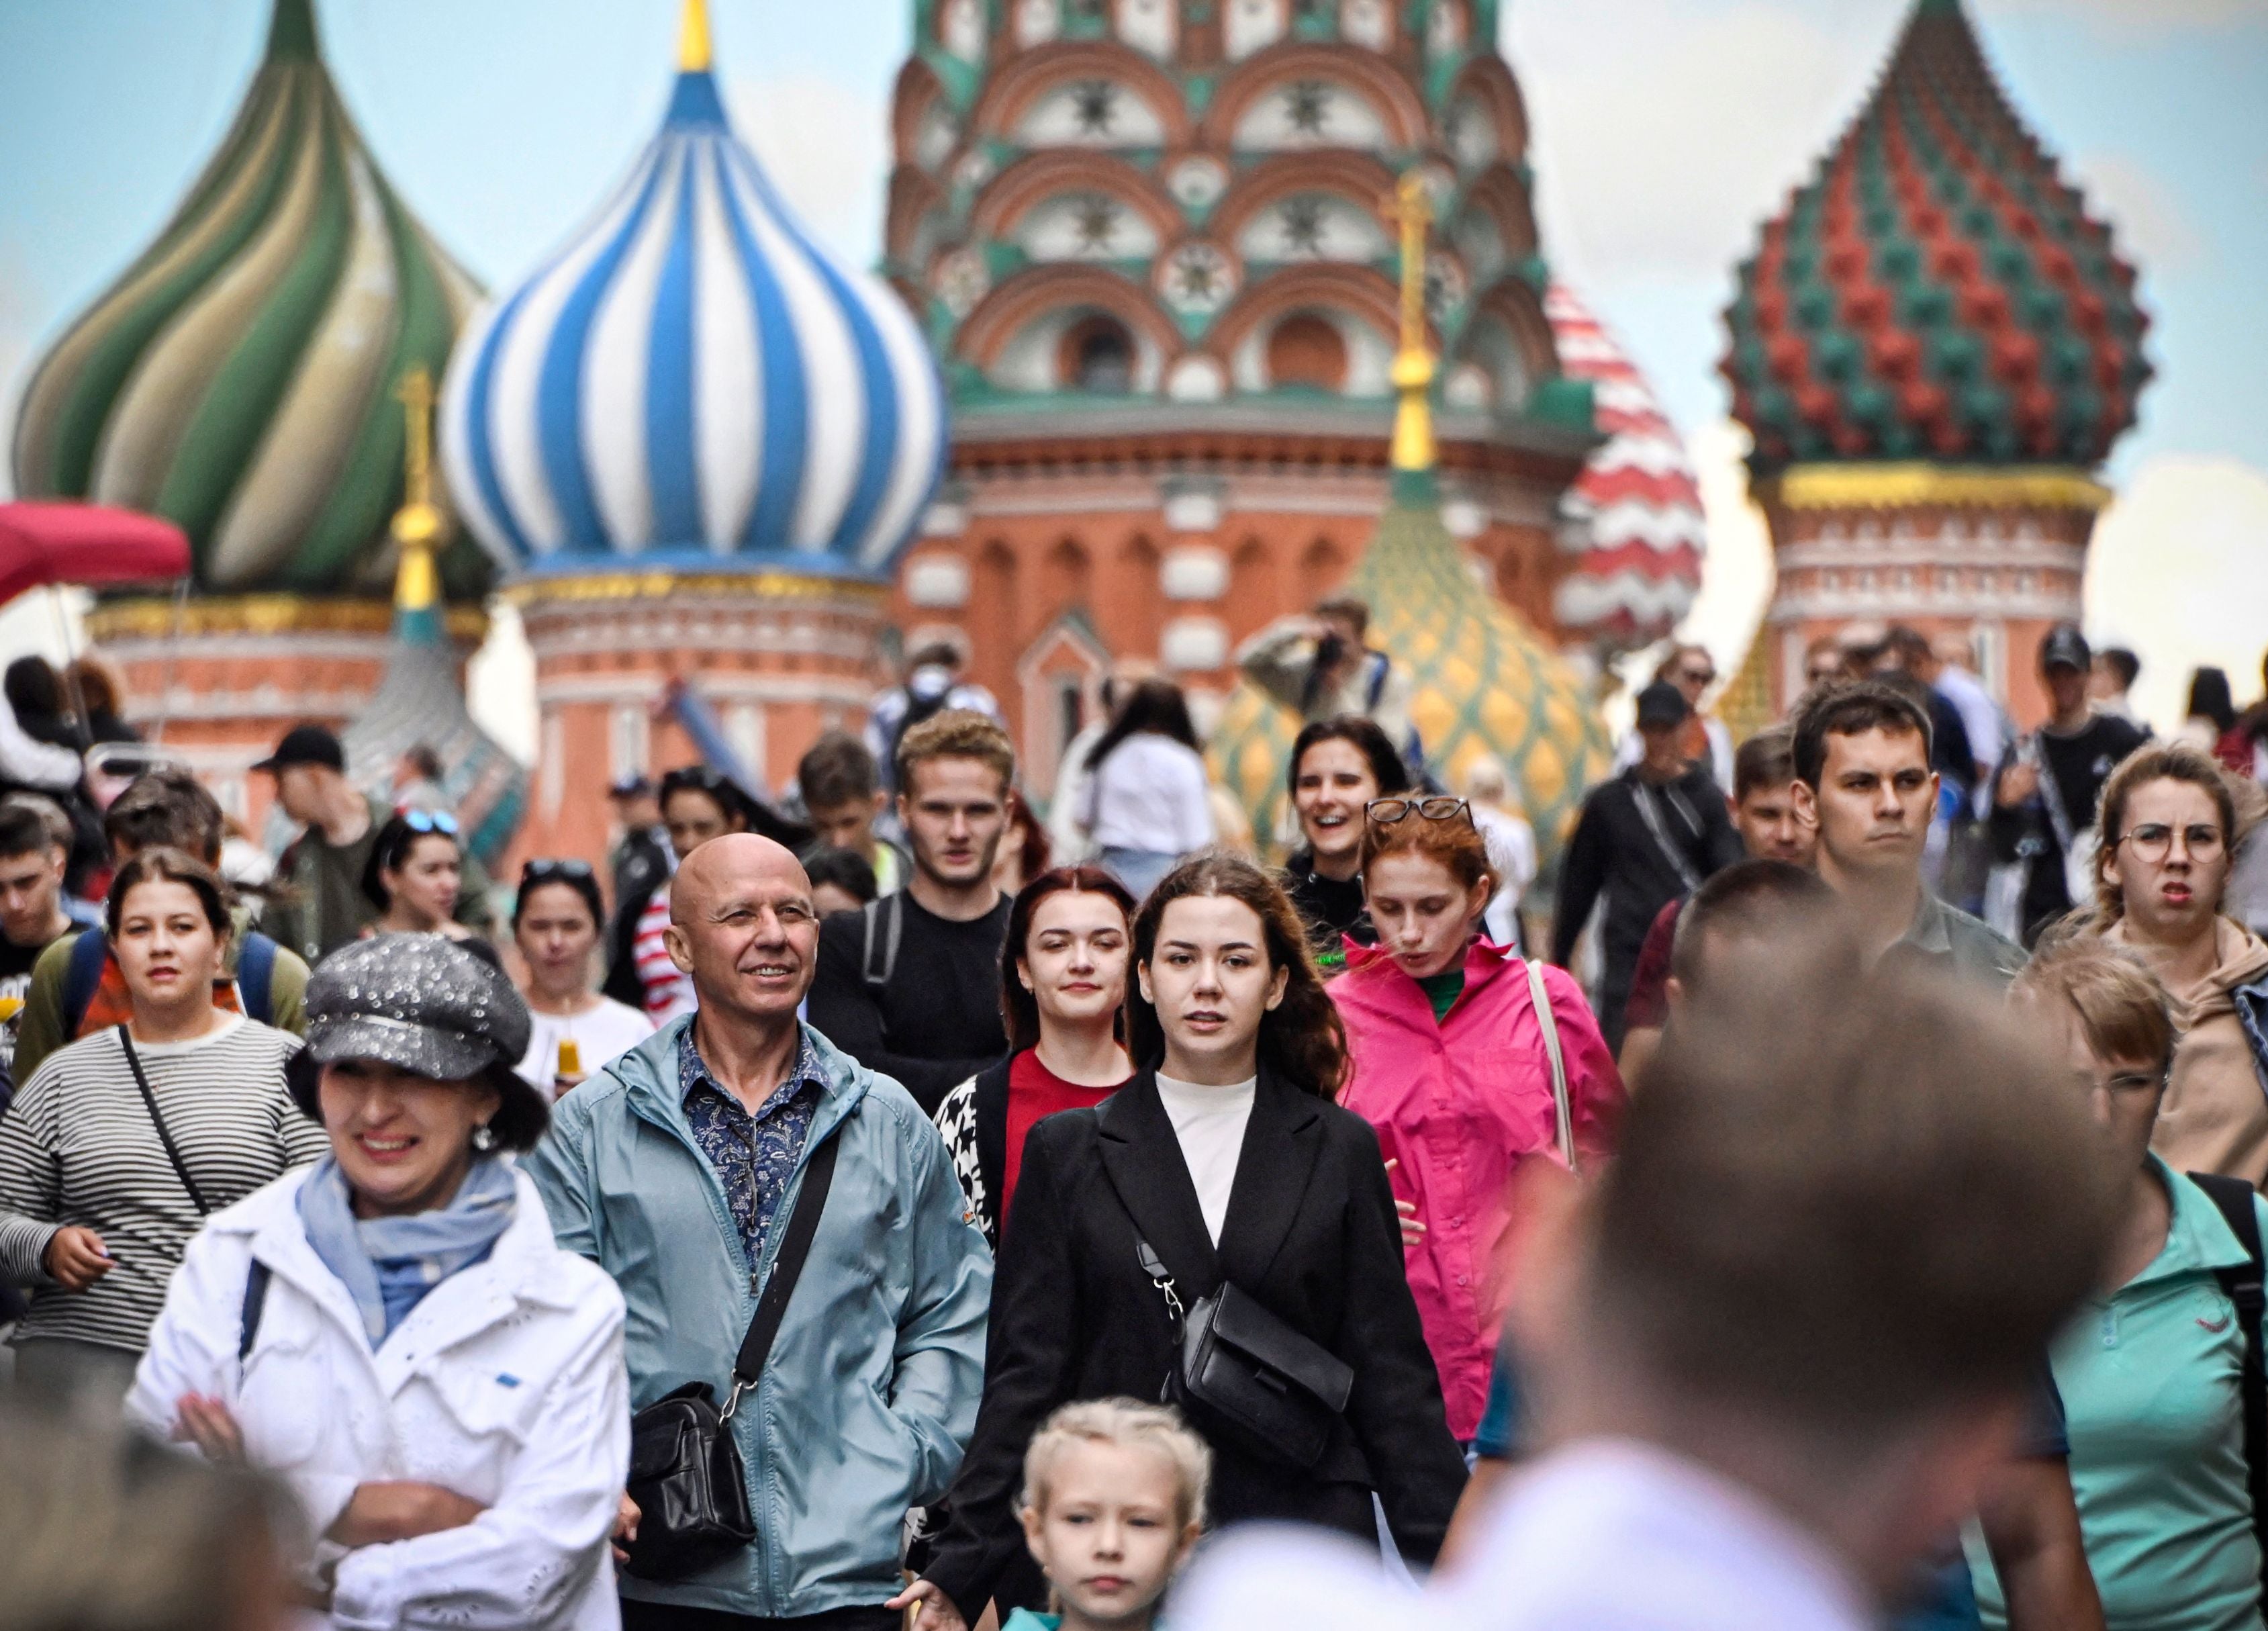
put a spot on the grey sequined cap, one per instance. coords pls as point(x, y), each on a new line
point(419, 1002)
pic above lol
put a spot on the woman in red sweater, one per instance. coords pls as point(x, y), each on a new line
point(1063, 981)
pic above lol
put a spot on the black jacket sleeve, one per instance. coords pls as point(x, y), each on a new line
point(1396, 1409)
point(1030, 1351)
point(1581, 876)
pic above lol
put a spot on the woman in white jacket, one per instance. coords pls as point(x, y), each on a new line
point(394, 1332)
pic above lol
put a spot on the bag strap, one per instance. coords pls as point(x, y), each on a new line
point(255, 1302)
point(787, 1268)
point(2243, 1285)
point(255, 977)
point(884, 923)
point(1651, 818)
point(1563, 1112)
point(164, 1133)
point(82, 977)
point(1162, 1276)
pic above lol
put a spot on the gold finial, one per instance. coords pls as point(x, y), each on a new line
point(417, 523)
point(1413, 362)
point(693, 39)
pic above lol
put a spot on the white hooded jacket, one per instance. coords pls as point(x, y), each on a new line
point(506, 1384)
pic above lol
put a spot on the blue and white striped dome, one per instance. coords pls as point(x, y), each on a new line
point(695, 381)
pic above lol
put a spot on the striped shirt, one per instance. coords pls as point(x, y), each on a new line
point(77, 1146)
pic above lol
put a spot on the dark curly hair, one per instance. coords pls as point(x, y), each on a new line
point(1302, 1039)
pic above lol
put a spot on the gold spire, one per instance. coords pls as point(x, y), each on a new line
point(1413, 362)
point(417, 523)
point(693, 39)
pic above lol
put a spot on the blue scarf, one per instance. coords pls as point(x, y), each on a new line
point(387, 1265)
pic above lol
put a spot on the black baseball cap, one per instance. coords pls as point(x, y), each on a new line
point(2066, 647)
point(305, 744)
point(1661, 705)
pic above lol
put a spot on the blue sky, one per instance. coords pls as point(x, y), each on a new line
point(1663, 132)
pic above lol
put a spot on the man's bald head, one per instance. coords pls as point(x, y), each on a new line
point(742, 925)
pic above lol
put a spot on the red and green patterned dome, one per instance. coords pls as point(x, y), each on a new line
point(1938, 291)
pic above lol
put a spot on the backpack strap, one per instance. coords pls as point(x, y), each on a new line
point(255, 1302)
point(881, 922)
point(2243, 1285)
point(255, 977)
point(1380, 666)
point(82, 977)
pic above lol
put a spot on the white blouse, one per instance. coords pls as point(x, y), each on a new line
point(1209, 1124)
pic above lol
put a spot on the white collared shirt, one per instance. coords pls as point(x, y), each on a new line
point(1608, 1535)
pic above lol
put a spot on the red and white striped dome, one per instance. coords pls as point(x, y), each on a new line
point(1632, 521)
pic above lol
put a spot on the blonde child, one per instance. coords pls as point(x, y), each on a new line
point(1114, 1498)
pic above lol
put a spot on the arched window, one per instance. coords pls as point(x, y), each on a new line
point(1098, 355)
point(1306, 351)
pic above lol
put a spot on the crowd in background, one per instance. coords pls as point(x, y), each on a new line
point(892, 1201)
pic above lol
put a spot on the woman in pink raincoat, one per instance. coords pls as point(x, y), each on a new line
point(1451, 1066)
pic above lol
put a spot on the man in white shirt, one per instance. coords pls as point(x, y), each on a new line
point(1771, 1366)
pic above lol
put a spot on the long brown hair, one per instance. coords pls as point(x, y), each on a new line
point(1019, 1009)
point(1302, 1038)
point(2155, 761)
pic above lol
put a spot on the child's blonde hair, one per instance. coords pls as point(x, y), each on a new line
point(1122, 1421)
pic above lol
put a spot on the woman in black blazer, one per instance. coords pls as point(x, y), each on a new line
point(1288, 1198)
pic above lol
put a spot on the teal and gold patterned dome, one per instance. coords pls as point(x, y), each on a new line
point(241, 378)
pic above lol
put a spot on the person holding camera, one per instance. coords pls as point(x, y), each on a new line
point(1320, 666)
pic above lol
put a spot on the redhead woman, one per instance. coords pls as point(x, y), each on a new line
point(1463, 1072)
point(1222, 1170)
point(1063, 980)
point(2168, 826)
point(394, 1332)
point(120, 1145)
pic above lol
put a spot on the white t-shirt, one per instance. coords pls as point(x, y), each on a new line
point(1150, 795)
point(1209, 1124)
point(599, 1035)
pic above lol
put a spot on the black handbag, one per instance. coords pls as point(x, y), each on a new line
point(687, 1476)
point(1244, 1371)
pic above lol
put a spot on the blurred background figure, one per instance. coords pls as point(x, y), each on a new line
point(1322, 667)
point(1704, 740)
point(1822, 660)
point(1068, 843)
point(416, 782)
point(841, 787)
point(2210, 713)
point(1024, 852)
point(1496, 811)
point(2115, 670)
point(556, 918)
point(92, 691)
point(841, 880)
point(108, 1532)
point(1147, 804)
point(933, 684)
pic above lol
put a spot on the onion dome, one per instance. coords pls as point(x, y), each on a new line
point(238, 379)
point(694, 381)
point(419, 702)
point(1938, 291)
point(1632, 522)
point(1482, 681)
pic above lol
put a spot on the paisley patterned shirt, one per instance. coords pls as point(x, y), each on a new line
point(754, 1156)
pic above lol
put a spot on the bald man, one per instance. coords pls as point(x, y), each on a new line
point(678, 1169)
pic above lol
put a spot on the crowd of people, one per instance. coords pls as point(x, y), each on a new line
point(834, 1210)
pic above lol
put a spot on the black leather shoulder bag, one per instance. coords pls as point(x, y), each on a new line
point(687, 1476)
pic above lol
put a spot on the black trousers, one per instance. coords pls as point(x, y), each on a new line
point(638, 1616)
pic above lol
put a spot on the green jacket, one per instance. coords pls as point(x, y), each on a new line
point(871, 1392)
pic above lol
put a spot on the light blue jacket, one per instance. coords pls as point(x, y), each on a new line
point(871, 1391)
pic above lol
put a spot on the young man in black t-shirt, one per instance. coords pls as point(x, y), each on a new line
point(910, 984)
point(2033, 814)
point(32, 916)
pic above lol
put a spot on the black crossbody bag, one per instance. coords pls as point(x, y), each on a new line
point(1245, 1371)
point(687, 1476)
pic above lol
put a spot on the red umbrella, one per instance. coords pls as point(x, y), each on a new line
point(90, 544)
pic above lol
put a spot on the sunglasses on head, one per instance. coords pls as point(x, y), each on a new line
point(430, 821)
point(1386, 812)
point(552, 871)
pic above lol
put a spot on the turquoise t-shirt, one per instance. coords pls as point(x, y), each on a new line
point(2149, 1377)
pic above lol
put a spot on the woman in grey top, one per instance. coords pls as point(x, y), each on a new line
point(118, 1146)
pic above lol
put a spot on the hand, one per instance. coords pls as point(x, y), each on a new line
point(75, 1258)
point(626, 1523)
point(2020, 781)
point(382, 1512)
point(204, 1420)
point(1413, 1232)
point(936, 1614)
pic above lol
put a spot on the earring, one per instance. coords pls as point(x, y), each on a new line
point(484, 1138)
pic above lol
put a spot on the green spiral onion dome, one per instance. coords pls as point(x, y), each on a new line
point(240, 379)
point(1938, 291)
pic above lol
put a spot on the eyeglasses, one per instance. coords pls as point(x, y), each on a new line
point(1697, 676)
point(2153, 840)
point(552, 871)
point(2126, 1083)
point(430, 821)
point(1386, 812)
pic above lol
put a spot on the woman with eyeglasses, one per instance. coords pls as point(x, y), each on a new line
point(2152, 1368)
point(2169, 828)
point(555, 924)
point(1466, 1060)
point(1337, 766)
